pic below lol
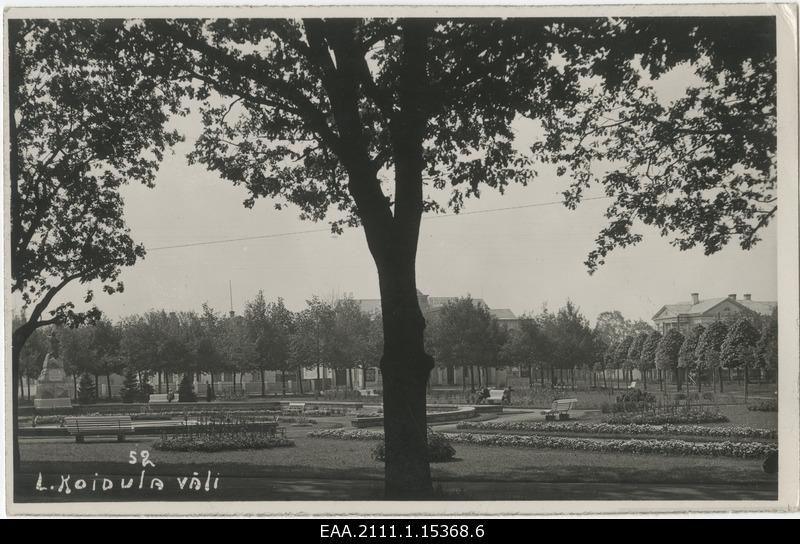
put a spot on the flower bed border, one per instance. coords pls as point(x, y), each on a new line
point(742, 450)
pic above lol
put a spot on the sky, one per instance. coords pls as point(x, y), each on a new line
point(515, 258)
point(520, 258)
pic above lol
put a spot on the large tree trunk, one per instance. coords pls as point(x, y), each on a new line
point(108, 384)
point(405, 367)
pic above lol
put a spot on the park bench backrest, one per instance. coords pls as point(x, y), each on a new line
point(98, 424)
point(496, 394)
point(563, 405)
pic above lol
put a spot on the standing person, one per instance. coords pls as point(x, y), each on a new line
point(507, 396)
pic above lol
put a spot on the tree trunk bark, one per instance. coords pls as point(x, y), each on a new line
point(405, 367)
point(108, 384)
point(263, 384)
point(283, 382)
point(719, 371)
point(158, 374)
point(746, 381)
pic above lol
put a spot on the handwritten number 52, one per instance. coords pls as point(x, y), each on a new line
point(133, 458)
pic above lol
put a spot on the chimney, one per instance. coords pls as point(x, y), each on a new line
point(732, 296)
point(746, 296)
point(695, 298)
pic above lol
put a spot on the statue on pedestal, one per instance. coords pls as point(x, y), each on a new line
point(52, 389)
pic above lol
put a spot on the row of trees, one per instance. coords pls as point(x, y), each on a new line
point(340, 336)
point(158, 344)
point(747, 343)
point(554, 344)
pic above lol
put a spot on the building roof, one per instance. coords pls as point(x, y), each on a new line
point(688, 309)
point(369, 305)
point(435, 302)
point(763, 307)
point(502, 313)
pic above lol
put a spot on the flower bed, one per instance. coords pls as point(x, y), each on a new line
point(745, 450)
point(220, 442)
point(628, 429)
point(667, 419)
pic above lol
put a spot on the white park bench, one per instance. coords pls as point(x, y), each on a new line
point(297, 407)
point(368, 392)
point(159, 398)
point(560, 409)
point(81, 426)
point(633, 385)
point(495, 396)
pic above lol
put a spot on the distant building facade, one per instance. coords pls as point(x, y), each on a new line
point(685, 315)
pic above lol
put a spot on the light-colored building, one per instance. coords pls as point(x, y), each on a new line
point(685, 315)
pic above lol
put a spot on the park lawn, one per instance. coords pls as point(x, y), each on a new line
point(351, 459)
point(740, 416)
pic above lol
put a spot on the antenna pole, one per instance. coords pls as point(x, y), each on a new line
point(230, 293)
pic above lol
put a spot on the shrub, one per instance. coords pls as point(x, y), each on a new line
point(634, 400)
point(186, 389)
point(130, 387)
point(439, 449)
point(770, 405)
point(87, 394)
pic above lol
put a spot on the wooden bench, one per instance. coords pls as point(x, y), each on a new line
point(81, 426)
point(368, 392)
point(560, 408)
point(159, 398)
point(633, 385)
point(495, 396)
point(296, 407)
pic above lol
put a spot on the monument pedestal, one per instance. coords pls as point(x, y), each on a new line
point(52, 390)
point(50, 404)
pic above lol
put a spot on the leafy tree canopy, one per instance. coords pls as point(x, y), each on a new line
point(668, 349)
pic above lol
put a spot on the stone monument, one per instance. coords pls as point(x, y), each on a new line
point(52, 390)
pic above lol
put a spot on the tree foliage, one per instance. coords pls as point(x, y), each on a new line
point(668, 349)
point(635, 350)
point(709, 346)
point(647, 358)
point(83, 123)
point(687, 356)
point(465, 334)
point(738, 350)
